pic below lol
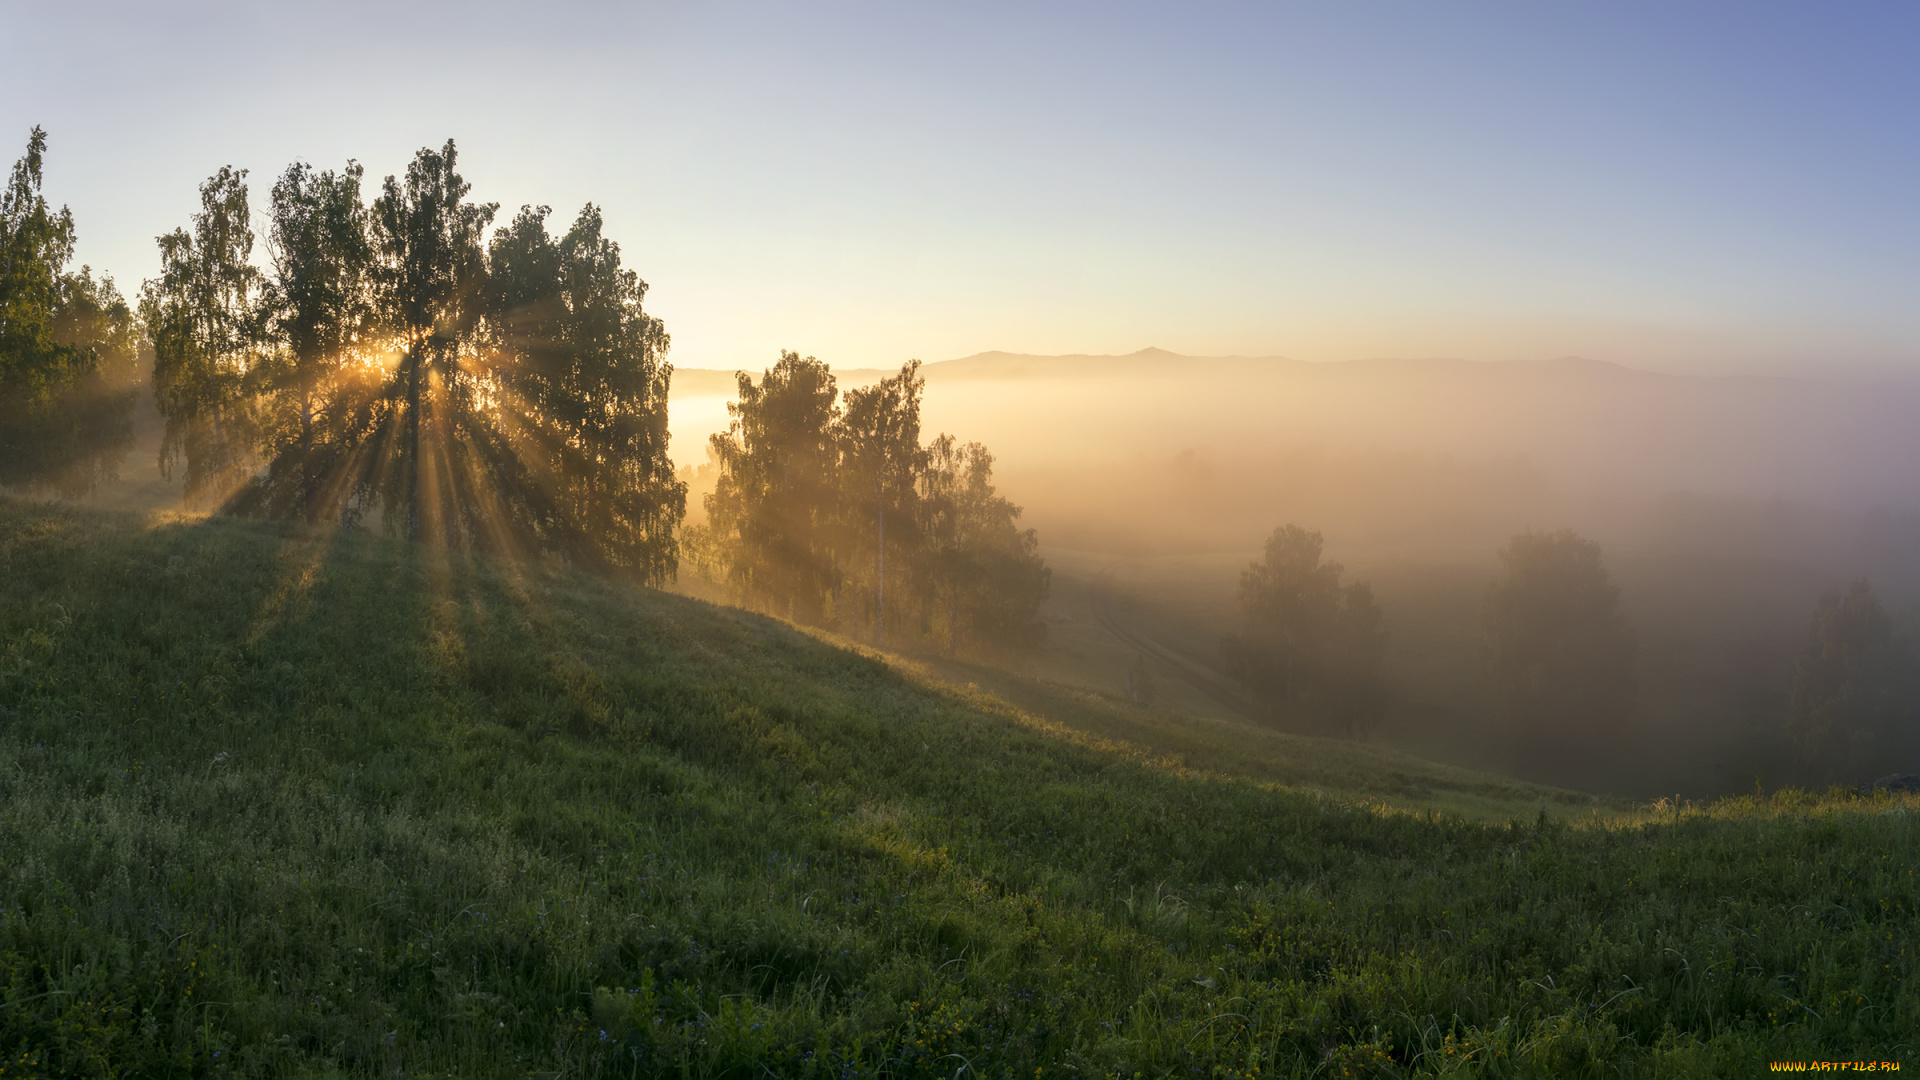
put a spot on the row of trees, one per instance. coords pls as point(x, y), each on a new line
point(70, 348)
point(1559, 655)
point(502, 390)
point(499, 388)
point(1554, 644)
point(1562, 657)
point(829, 510)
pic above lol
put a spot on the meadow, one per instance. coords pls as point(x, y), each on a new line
point(278, 801)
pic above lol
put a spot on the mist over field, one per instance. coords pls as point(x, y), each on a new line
point(1725, 506)
point(1158, 453)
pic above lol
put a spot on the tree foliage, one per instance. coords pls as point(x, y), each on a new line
point(1855, 702)
point(505, 392)
point(205, 314)
point(319, 387)
point(1310, 647)
point(980, 574)
point(70, 354)
point(881, 461)
point(839, 516)
point(1557, 648)
point(585, 367)
point(774, 513)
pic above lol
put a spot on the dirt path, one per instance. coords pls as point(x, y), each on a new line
point(1209, 682)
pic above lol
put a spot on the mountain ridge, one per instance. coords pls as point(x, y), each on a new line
point(1000, 365)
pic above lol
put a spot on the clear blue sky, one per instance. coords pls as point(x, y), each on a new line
point(1699, 187)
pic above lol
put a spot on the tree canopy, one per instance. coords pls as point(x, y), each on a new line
point(1309, 649)
point(774, 513)
point(831, 511)
point(504, 391)
point(1556, 646)
point(1855, 700)
point(70, 347)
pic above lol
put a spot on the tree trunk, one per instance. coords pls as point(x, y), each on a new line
point(880, 576)
point(413, 444)
point(308, 496)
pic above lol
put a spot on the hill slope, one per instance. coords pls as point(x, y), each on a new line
point(275, 802)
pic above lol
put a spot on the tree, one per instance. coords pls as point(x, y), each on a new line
point(319, 383)
point(511, 397)
point(1856, 692)
point(92, 315)
point(1309, 647)
point(880, 464)
point(818, 514)
point(1556, 646)
point(204, 315)
point(584, 366)
point(430, 276)
point(69, 347)
point(980, 575)
point(772, 512)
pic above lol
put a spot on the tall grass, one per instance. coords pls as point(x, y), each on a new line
point(276, 802)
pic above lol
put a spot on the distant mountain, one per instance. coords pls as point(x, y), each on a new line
point(1155, 363)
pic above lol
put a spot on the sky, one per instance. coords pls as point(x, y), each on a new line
point(1698, 187)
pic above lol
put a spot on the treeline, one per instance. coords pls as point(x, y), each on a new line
point(1559, 658)
point(70, 348)
point(397, 357)
point(501, 390)
point(1554, 648)
point(830, 511)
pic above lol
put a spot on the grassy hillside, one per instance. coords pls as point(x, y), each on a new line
point(283, 803)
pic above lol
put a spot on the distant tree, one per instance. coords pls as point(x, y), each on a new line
point(1855, 703)
point(980, 575)
point(772, 514)
point(430, 276)
point(1353, 696)
point(880, 463)
point(835, 517)
point(69, 348)
point(1310, 647)
point(1556, 646)
point(205, 314)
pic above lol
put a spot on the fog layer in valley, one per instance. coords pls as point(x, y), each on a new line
point(1724, 508)
point(1158, 453)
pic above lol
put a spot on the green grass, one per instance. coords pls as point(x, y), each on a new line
point(1356, 772)
point(286, 803)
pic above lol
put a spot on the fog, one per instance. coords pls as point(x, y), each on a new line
point(1724, 507)
point(1155, 453)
